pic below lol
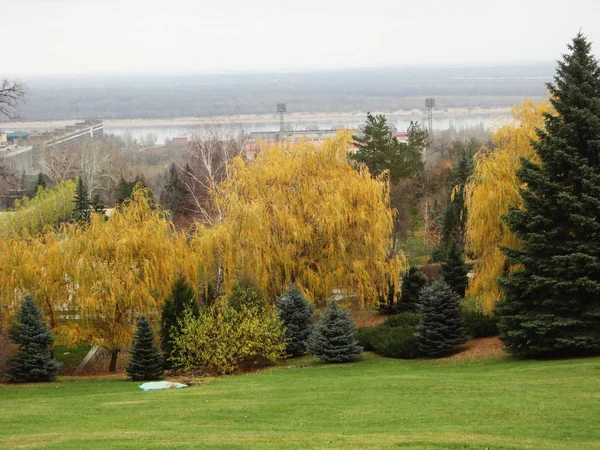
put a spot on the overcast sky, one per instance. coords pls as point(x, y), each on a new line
point(186, 36)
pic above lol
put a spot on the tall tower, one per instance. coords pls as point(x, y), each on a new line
point(429, 104)
point(281, 110)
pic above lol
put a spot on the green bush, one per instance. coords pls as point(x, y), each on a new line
point(245, 293)
point(364, 336)
point(479, 325)
point(395, 338)
point(224, 339)
point(395, 342)
point(402, 319)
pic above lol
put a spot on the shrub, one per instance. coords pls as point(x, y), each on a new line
point(224, 339)
point(479, 325)
point(297, 316)
point(334, 337)
point(402, 319)
point(395, 342)
point(244, 293)
point(33, 362)
point(412, 282)
point(146, 363)
point(364, 336)
point(182, 299)
point(395, 338)
point(440, 329)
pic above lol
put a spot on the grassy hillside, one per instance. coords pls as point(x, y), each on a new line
point(376, 403)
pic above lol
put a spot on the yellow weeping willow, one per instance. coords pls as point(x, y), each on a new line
point(301, 213)
point(125, 267)
point(492, 189)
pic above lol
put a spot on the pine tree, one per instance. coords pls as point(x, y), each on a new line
point(379, 150)
point(182, 301)
point(173, 196)
point(41, 182)
point(297, 316)
point(333, 339)
point(412, 282)
point(454, 269)
point(440, 329)
point(146, 363)
point(34, 362)
point(551, 304)
point(82, 202)
point(455, 215)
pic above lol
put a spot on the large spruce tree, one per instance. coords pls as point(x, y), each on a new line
point(146, 362)
point(297, 316)
point(34, 362)
point(552, 302)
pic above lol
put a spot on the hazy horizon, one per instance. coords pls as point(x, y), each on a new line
point(184, 37)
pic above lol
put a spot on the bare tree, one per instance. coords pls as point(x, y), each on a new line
point(98, 166)
point(210, 152)
point(12, 92)
point(58, 163)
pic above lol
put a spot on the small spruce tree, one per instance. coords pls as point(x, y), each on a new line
point(333, 339)
point(34, 362)
point(297, 316)
point(82, 202)
point(412, 282)
point(454, 269)
point(182, 299)
point(440, 329)
point(146, 362)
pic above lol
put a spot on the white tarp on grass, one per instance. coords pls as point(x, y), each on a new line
point(158, 385)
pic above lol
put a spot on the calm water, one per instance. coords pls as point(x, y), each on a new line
point(458, 122)
point(163, 133)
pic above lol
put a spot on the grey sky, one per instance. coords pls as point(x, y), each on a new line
point(175, 36)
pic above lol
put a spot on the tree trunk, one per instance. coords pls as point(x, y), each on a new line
point(113, 360)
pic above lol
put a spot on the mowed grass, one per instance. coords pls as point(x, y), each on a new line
point(376, 403)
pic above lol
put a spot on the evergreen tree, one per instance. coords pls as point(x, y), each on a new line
point(182, 300)
point(379, 150)
point(82, 202)
point(173, 196)
point(551, 301)
point(455, 215)
point(245, 293)
point(333, 339)
point(146, 363)
point(440, 329)
point(413, 281)
point(34, 362)
point(41, 182)
point(297, 316)
point(454, 269)
point(97, 204)
point(125, 188)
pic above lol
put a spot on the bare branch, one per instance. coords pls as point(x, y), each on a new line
point(12, 92)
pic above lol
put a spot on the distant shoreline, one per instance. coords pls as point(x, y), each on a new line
point(251, 118)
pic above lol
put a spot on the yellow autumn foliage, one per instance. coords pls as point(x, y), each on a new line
point(302, 213)
point(492, 189)
point(48, 207)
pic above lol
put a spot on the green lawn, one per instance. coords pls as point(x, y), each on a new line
point(376, 403)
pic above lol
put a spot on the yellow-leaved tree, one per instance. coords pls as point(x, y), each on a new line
point(303, 214)
point(48, 207)
point(125, 267)
point(492, 189)
point(40, 265)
